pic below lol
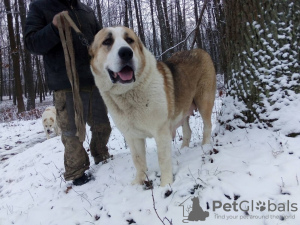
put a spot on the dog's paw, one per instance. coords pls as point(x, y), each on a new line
point(137, 182)
point(166, 181)
point(184, 144)
point(139, 179)
point(206, 148)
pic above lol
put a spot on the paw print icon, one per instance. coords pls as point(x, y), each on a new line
point(261, 206)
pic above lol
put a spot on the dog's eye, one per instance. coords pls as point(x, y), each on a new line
point(108, 41)
point(129, 40)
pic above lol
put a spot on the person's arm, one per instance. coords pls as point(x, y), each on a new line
point(40, 37)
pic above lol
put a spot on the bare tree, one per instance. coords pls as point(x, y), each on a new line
point(1, 77)
point(15, 57)
point(139, 22)
point(181, 24)
point(126, 24)
point(154, 38)
point(167, 24)
point(28, 73)
point(197, 32)
point(130, 14)
point(165, 42)
point(99, 13)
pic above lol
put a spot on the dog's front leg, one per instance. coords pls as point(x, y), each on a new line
point(138, 153)
point(163, 141)
point(47, 134)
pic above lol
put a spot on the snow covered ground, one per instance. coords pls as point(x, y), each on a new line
point(252, 177)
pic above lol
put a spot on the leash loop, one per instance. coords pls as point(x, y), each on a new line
point(64, 27)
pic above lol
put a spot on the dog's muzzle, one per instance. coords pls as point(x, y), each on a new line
point(126, 74)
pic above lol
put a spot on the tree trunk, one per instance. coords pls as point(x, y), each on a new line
point(130, 14)
point(165, 42)
point(139, 22)
point(220, 18)
point(181, 25)
point(15, 58)
point(169, 33)
point(155, 50)
point(40, 81)
point(197, 32)
point(126, 24)
point(99, 13)
point(1, 77)
point(262, 52)
point(28, 73)
point(108, 10)
point(10, 80)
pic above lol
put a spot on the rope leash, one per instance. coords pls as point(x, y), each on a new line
point(65, 23)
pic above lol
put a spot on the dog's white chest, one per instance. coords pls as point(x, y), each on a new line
point(138, 113)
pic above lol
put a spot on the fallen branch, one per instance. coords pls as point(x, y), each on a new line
point(153, 200)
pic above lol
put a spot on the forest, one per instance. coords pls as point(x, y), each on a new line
point(254, 45)
point(161, 25)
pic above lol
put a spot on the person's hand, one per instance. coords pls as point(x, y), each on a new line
point(58, 17)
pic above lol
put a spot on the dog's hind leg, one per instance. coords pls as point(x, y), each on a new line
point(205, 105)
point(186, 131)
point(138, 153)
point(163, 141)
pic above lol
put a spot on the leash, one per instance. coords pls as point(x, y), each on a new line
point(65, 23)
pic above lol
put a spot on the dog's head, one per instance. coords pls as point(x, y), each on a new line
point(48, 124)
point(117, 59)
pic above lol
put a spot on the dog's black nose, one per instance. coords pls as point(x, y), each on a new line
point(125, 53)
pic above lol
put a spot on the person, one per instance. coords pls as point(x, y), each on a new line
point(42, 38)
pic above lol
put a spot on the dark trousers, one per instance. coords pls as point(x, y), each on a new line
point(76, 160)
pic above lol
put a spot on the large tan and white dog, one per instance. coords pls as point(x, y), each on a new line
point(49, 121)
point(147, 98)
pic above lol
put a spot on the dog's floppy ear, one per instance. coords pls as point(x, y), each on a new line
point(97, 42)
point(140, 44)
point(92, 49)
point(51, 119)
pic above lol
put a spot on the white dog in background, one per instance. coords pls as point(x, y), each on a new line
point(49, 121)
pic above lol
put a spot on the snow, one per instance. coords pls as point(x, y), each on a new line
point(249, 165)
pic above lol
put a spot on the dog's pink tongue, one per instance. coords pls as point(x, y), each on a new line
point(126, 73)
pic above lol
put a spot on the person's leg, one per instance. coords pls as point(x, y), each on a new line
point(76, 160)
point(100, 127)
